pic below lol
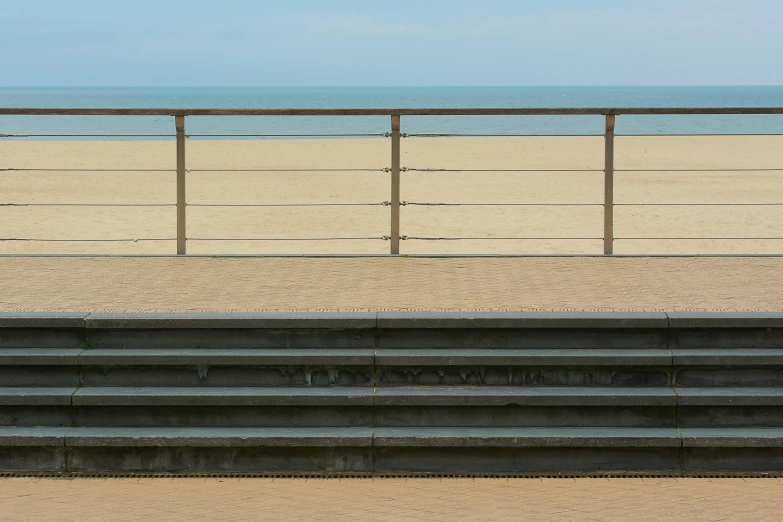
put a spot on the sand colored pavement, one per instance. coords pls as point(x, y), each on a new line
point(565, 170)
point(248, 284)
point(600, 499)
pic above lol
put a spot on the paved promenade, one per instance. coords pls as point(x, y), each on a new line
point(168, 284)
point(651, 499)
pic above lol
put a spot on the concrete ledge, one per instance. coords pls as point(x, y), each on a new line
point(732, 437)
point(39, 356)
point(528, 437)
point(42, 319)
point(522, 320)
point(728, 357)
point(219, 437)
point(725, 319)
point(525, 396)
point(326, 320)
point(522, 357)
point(393, 320)
point(719, 396)
point(36, 396)
point(227, 356)
point(19, 436)
point(222, 396)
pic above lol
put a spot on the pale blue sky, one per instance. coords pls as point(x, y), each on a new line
point(399, 42)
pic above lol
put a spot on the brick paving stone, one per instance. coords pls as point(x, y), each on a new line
point(85, 499)
point(223, 284)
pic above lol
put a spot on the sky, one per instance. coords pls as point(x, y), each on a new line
point(54, 43)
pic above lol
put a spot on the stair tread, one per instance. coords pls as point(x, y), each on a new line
point(394, 396)
point(522, 396)
point(35, 396)
point(548, 320)
point(530, 437)
point(729, 396)
point(228, 396)
point(278, 437)
point(365, 436)
point(23, 436)
point(39, 356)
point(732, 437)
point(520, 356)
point(227, 356)
point(727, 356)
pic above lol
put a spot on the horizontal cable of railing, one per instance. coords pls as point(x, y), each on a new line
point(385, 135)
point(387, 203)
point(381, 204)
point(287, 170)
point(354, 135)
point(437, 204)
point(368, 238)
point(410, 169)
point(459, 135)
point(84, 170)
point(701, 170)
point(88, 204)
point(695, 238)
point(435, 238)
point(46, 240)
point(87, 136)
point(477, 111)
point(698, 204)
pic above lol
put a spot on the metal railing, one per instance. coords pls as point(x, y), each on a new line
point(395, 169)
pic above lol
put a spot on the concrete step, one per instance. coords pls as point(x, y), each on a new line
point(393, 407)
point(526, 450)
point(39, 366)
point(364, 450)
point(728, 367)
point(337, 406)
point(527, 437)
point(523, 367)
point(186, 367)
point(186, 449)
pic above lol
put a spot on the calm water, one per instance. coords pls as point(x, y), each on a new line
point(336, 97)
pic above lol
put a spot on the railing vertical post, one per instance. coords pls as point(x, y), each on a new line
point(395, 184)
point(609, 186)
point(179, 122)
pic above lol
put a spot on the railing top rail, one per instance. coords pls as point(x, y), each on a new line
point(509, 111)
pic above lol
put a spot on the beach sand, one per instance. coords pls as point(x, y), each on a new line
point(206, 187)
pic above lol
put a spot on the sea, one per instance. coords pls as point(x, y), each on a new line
point(14, 127)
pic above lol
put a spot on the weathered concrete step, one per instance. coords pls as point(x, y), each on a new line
point(524, 396)
point(397, 396)
point(39, 356)
point(202, 437)
point(327, 396)
point(482, 450)
point(523, 357)
point(397, 357)
point(36, 396)
point(11, 436)
point(762, 357)
point(229, 357)
point(350, 396)
point(187, 437)
point(732, 437)
point(527, 437)
point(768, 396)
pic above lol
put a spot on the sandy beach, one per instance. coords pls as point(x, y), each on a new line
point(277, 187)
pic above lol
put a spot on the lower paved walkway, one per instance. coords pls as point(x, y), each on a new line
point(162, 499)
point(164, 284)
